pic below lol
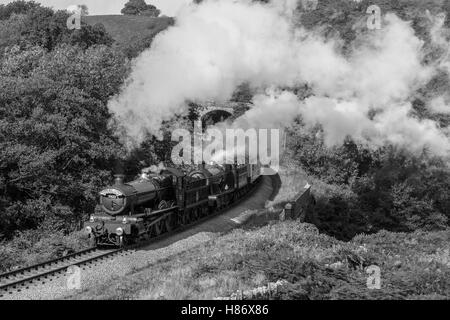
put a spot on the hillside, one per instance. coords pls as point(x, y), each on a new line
point(132, 33)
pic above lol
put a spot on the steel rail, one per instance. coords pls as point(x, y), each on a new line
point(18, 279)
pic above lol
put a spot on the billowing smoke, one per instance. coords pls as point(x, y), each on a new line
point(218, 45)
point(212, 49)
point(439, 35)
point(440, 104)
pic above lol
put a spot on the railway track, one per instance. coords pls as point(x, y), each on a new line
point(20, 279)
point(23, 278)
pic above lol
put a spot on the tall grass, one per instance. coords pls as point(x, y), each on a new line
point(34, 246)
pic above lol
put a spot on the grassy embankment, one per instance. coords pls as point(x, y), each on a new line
point(415, 265)
point(132, 34)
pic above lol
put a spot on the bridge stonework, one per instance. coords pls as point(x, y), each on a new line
point(213, 106)
point(228, 107)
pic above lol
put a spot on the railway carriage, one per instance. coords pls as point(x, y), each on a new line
point(157, 203)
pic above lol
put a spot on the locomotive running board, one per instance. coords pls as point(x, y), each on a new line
point(154, 213)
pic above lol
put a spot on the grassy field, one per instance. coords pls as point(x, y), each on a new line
point(131, 33)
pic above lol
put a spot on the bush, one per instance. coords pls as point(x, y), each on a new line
point(36, 246)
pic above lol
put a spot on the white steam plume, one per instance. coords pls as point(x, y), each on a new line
point(439, 35)
point(212, 49)
point(216, 46)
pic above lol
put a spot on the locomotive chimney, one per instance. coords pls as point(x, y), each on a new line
point(119, 178)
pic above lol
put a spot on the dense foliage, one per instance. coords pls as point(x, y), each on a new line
point(370, 190)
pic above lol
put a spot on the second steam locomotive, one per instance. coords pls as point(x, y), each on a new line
point(159, 202)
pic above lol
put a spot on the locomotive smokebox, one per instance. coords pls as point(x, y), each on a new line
point(119, 178)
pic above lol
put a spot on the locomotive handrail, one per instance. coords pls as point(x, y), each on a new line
point(151, 191)
point(142, 215)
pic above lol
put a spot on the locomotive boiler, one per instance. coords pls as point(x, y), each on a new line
point(151, 191)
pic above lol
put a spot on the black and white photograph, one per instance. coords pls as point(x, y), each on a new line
point(229, 156)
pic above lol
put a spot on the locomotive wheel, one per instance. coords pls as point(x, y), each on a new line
point(158, 228)
point(181, 219)
point(204, 211)
point(169, 223)
point(122, 241)
point(225, 202)
point(185, 218)
point(194, 215)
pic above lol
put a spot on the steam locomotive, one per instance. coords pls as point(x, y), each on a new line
point(159, 202)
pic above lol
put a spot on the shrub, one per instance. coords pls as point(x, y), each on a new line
point(36, 246)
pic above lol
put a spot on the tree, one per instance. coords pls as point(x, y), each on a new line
point(88, 36)
point(17, 7)
point(82, 8)
point(140, 7)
